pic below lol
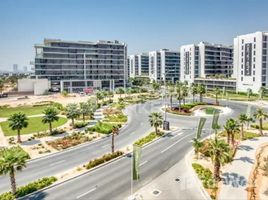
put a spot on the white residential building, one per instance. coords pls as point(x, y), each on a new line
point(138, 65)
point(164, 65)
point(251, 61)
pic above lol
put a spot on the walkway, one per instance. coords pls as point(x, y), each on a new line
point(237, 173)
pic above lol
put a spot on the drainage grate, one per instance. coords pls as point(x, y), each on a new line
point(156, 192)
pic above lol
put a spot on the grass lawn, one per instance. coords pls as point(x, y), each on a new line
point(210, 110)
point(28, 110)
point(35, 125)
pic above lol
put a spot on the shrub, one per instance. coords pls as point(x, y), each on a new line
point(57, 131)
point(7, 196)
point(205, 176)
point(80, 124)
point(141, 142)
point(103, 159)
point(105, 128)
point(116, 118)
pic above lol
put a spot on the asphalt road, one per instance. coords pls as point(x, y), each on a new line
point(113, 181)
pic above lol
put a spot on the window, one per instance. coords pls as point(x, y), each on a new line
point(242, 41)
point(253, 79)
point(254, 39)
point(253, 72)
point(241, 78)
point(254, 46)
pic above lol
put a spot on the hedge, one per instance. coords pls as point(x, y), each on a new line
point(29, 188)
point(205, 176)
point(141, 142)
point(103, 159)
point(80, 124)
point(105, 128)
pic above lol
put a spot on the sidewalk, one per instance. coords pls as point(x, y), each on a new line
point(236, 174)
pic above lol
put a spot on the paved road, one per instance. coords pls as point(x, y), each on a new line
point(138, 126)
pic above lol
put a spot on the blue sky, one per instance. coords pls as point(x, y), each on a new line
point(143, 24)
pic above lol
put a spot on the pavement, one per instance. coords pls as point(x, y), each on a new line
point(236, 175)
point(112, 181)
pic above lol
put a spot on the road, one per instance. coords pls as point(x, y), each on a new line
point(138, 125)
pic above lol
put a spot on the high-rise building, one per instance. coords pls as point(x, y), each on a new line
point(138, 65)
point(75, 66)
point(206, 60)
point(164, 65)
point(251, 61)
point(15, 68)
point(25, 69)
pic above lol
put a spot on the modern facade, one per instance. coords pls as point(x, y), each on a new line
point(164, 65)
point(76, 66)
point(206, 61)
point(138, 65)
point(251, 61)
point(211, 83)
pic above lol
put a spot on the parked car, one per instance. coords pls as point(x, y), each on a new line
point(3, 95)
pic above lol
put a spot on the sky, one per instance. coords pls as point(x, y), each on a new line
point(145, 25)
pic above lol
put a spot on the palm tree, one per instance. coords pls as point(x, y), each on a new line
point(217, 92)
point(171, 92)
point(242, 119)
point(262, 91)
point(51, 115)
point(115, 132)
point(249, 93)
point(99, 96)
point(197, 144)
point(184, 92)
point(193, 90)
point(201, 90)
point(260, 115)
point(219, 154)
point(120, 91)
point(12, 160)
point(85, 110)
point(179, 87)
point(155, 86)
point(231, 126)
point(17, 122)
point(249, 120)
point(110, 95)
point(72, 112)
point(156, 120)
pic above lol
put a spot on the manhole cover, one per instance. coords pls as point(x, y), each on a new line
point(156, 192)
point(177, 179)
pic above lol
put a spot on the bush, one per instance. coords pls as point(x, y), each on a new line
point(103, 159)
point(80, 124)
point(189, 106)
point(29, 188)
point(116, 118)
point(57, 131)
point(205, 176)
point(141, 142)
point(105, 128)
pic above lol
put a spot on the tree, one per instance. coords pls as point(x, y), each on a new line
point(262, 91)
point(110, 95)
point(2, 84)
point(219, 154)
point(197, 144)
point(72, 112)
point(249, 120)
point(201, 90)
point(156, 120)
point(51, 115)
point(155, 86)
point(17, 122)
point(115, 131)
point(249, 93)
point(242, 119)
point(12, 160)
point(179, 87)
point(184, 92)
point(120, 91)
point(260, 115)
point(193, 90)
point(231, 126)
point(217, 92)
point(85, 110)
point(99, 96)
point(171, 91)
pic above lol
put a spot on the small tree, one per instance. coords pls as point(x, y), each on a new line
point(115, 132)
point(184, 92)
point(155, 86)
point(201, 91)
point(219, 154)
point(2, 84)
point(72, 112)
point(179, 88)
point(156, 120)
point(242, 119)
point(120, 91)
point(249, 93)
point(99, 96)
point(262, 91)
point(197, 144)
point(231, 126)
point(50, 115)
point(260, 115)
point(171, 91)
point(217, 92)
point(17, 122)
point(85, 110)
point(193, 90)
point(12, 160)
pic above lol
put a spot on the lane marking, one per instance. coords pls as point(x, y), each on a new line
point(56, 163)
point(93, 189)
point(174, 143)
point(177, 135)
point(143, 163)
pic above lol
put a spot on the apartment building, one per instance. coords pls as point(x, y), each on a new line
point(251, 61)
point(138, 65)
point(164, 65)
point(75, 66)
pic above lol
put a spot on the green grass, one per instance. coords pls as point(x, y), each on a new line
point(264, 126)
point(210, 110)
point(142, 141)
point(105, 128)
point(247, 135)
point(35, 125)
point(28, 110)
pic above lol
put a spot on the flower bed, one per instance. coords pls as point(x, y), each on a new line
point(103, 159)
point(69, 141)
point(29, 188)
point(186, 109)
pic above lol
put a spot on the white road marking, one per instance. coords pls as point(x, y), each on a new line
point(177, 135)
point(143, 163)
point(174, 144)
point(56, 163)
point(93, 189)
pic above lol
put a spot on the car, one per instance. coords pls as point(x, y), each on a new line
point(3, 95)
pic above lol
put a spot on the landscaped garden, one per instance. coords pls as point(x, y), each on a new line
point(104, 128)
point(34, 125)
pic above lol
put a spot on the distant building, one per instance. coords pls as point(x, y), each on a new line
point(76, 66)
point(164, 65)
point(138, 65)
point(15, 68)
point(251, 61)
point(25, 69)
